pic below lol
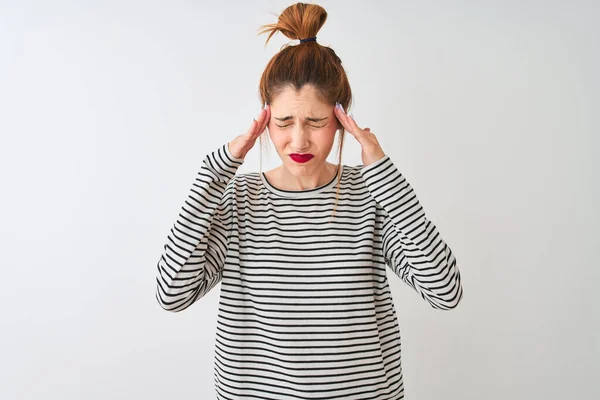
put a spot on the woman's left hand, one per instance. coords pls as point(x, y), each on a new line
point(371, 150)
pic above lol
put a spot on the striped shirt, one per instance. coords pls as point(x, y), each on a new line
point(305, 308)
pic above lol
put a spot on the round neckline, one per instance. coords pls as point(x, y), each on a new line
point(301, 193)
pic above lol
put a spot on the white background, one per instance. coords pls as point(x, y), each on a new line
point(489, 108)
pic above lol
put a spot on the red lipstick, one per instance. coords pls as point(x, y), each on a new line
point(301, 158)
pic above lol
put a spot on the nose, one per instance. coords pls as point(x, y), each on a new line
point(299, 141)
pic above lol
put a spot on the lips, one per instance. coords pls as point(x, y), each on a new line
point(301, 158)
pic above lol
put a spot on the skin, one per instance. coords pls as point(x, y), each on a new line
point(298, 134)
point(291, 131)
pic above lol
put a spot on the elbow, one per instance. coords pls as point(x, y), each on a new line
point(454, 293)
point(173, 307)
point(164, 304)
point(171, 295)
point(451, 303)
point(172, 302)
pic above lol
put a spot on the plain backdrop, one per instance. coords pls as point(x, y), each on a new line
point(107, 108)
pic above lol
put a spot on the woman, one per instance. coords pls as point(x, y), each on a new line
point(305, 307)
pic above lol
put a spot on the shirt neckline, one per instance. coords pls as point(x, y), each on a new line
point(301, 193)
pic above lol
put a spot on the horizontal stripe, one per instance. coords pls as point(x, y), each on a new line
point(305, 308)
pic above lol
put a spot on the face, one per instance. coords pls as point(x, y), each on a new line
point(301, 123)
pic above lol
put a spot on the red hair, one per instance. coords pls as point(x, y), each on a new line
point(305, 63)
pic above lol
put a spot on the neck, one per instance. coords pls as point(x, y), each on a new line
point(319, 177)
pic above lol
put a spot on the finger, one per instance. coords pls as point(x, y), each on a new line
point(357, 129)
point(250, 132)
point(265, 121)
point(256, 123)
point(349, 124)
point(342, 117)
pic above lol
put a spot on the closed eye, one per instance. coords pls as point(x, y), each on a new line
point(314, 126)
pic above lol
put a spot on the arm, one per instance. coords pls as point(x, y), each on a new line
point(193, 257)
point(412, 245)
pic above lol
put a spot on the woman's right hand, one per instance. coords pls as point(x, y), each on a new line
point(241, 145)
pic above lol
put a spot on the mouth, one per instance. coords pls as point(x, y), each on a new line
point(301, 158)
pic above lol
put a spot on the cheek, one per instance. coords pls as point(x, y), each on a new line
point(277, 136)
point(327, 134)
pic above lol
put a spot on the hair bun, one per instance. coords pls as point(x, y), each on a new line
point(298, 21)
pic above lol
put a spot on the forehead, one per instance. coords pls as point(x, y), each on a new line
point(304, 100)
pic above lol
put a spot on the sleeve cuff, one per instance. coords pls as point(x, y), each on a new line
point(223, 163)
point(230, 156)
point(371, 171)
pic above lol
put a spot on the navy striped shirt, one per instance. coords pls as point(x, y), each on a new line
point(305, 309)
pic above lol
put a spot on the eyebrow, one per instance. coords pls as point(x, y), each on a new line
point(288, 117)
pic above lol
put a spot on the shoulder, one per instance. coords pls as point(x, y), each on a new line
point(246, 177)
point(244, 181)
point(352, 174)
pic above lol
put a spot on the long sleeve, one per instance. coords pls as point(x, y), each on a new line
point(412, 245)
point(193, 257)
